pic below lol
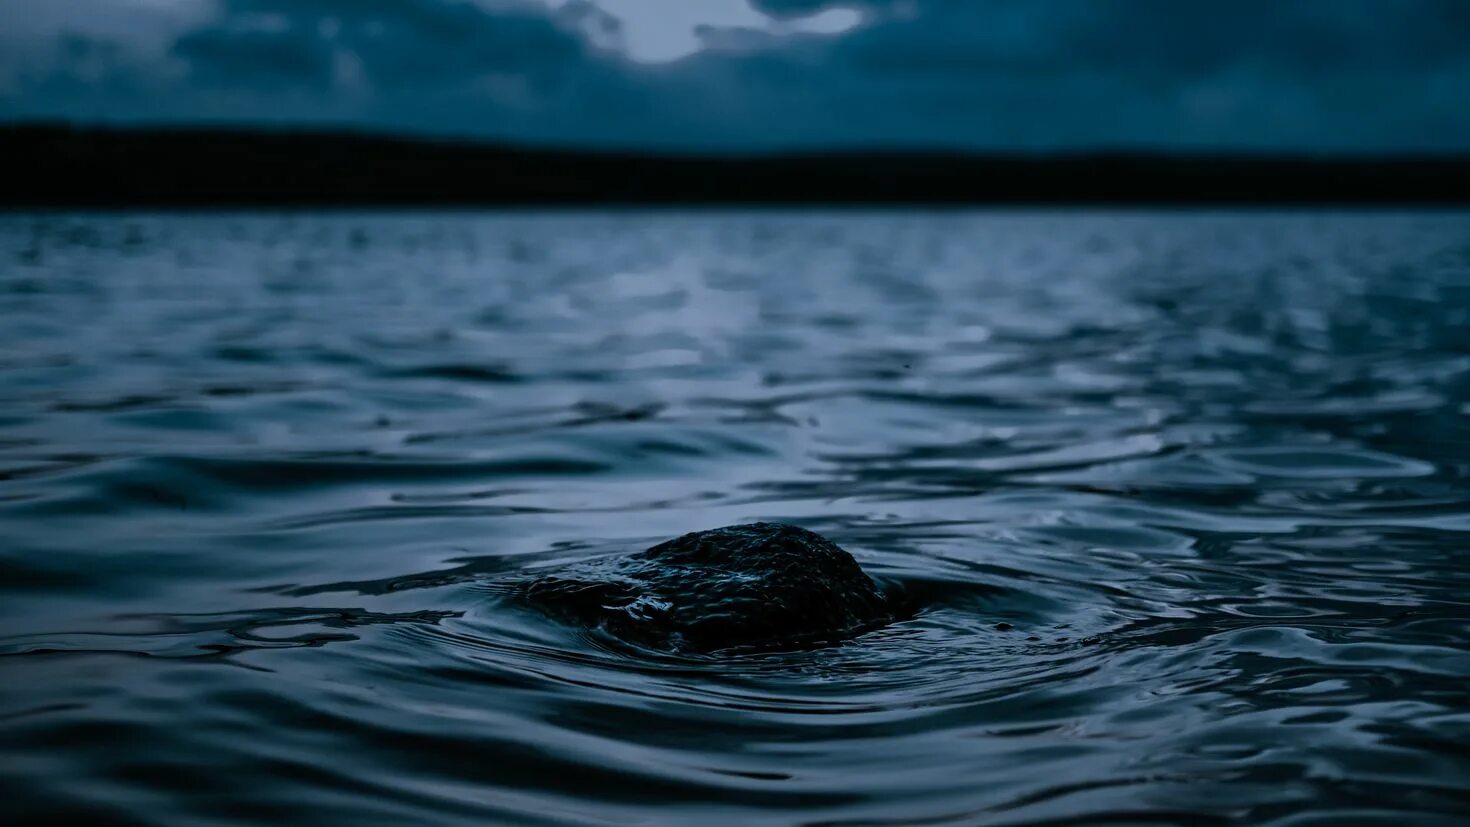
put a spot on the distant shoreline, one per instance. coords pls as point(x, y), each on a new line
point(50, 165)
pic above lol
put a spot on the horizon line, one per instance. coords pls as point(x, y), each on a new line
point(464, 141)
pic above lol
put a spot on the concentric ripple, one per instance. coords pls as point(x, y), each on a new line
point(1184, 500)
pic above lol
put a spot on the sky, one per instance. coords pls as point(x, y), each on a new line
point(1314, 76)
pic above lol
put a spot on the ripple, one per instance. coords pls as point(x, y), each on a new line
point(1180, 500)
point(1321, 463)
point(456, 372)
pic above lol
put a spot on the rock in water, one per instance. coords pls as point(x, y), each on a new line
point(759, 585)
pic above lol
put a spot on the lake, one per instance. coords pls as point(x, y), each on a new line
point(1189, 492)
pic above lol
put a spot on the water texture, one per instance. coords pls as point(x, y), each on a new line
point(1188, 495)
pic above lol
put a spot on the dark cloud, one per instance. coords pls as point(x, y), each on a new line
point(426, 44)
point(1308, 74)
point(248, 58)
point(1318, 75)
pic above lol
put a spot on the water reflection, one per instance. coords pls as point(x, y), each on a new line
point(1185, 496)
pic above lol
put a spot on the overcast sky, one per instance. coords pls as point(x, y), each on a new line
point(1300, 75)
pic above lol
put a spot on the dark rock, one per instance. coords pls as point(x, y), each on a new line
point(760, 585)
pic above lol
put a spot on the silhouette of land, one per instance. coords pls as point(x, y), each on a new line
point(60, 165)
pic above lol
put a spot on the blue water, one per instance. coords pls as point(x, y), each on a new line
point(1190, 494)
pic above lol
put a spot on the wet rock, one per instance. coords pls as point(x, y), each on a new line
point(759, 585)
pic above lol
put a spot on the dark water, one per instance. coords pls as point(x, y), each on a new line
point(1190, 493)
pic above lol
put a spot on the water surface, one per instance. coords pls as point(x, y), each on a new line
point(1190, 494)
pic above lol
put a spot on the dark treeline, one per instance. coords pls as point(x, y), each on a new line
point(66, 166)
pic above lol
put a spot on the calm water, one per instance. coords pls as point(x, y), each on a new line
point(1192, 493)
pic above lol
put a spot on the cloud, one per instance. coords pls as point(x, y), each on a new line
point(1318, 75)
point(259, 56)
point(419, 44)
